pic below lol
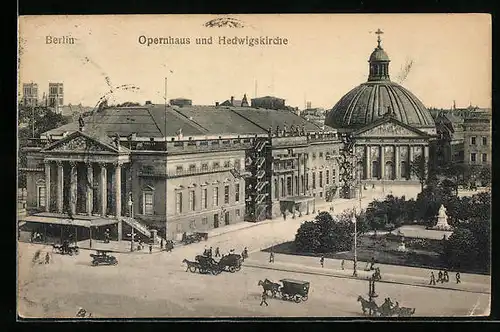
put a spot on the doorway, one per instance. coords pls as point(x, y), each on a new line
point(226, 218)
point(216, 220)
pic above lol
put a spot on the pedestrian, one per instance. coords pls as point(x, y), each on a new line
point(244, 254)
point(47, 258)
point(373, 185)
point(161, 244)
point(284, 216)
point(433, 279)
point(457, 277)
point(263, 299)
point(445, 276)
point(440, 276)
point(342, 264)
point(217, 252)
point(150, 247)
point(372, 263)
point(210, 252)
point(271, 257)
point(322, 261)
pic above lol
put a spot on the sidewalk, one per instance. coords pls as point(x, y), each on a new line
point(115, 246)
point(390, 273)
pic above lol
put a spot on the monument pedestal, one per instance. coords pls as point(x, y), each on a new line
point(442, 220)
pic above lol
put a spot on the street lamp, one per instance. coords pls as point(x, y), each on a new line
point(131, 207)
point(355, 271)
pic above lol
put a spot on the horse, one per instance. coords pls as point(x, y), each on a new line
point(268, 285)
point(371, 305)
point(191, 266)
point(386, 309)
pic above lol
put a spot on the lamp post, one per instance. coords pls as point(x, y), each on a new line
point(131, 207)
point(355, 270)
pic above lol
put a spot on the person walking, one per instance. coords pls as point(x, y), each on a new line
point(150, 247)
point(271, 257)
point(263, 299)
point(445, 276)
point(210, 252)
point(244, 254)
point(440, 277)
point(372, 263)
point(433, 279)
point(457, 277)
point(284, 216)
point(342, 264)
point(322, 261)
point(161, 244)
point(217, 252)
point(47, 258)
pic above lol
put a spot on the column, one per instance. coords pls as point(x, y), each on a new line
point(397, 165)
point(367, 162)
point(60, 186)
point(104, 189)
point(90, 189)
point(118, 196)
point(47, 185)
point(382, 161)
point(410, 161)
point(426, 155)
point(73, 187)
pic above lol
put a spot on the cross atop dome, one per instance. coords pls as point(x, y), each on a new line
point(378, 33)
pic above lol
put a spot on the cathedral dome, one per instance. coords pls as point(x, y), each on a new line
point(370, 101)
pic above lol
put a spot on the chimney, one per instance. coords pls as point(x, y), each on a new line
point(216, 103)
point(232, 100)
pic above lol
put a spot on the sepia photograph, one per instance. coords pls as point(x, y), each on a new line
point(254, 166)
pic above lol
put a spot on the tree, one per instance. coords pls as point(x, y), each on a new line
point(324, 234)
point(485, 175)
point(460, 249)
point(420, 169)
point(32, 122)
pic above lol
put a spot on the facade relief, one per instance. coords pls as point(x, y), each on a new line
point(403, 152)
point(389, 129)
point(389, 152)
point(78, 144)
point(374, 153)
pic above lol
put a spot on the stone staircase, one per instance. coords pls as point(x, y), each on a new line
point(137, 226)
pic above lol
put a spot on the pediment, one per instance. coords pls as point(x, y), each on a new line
point(390, 129)
point(80, 143)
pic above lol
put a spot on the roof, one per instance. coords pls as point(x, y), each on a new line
point(294, 281)
point(369, 102)
point(155, 120)
point(379, 55)
point(267, 97)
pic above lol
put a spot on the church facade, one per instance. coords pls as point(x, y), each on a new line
point(388, 125)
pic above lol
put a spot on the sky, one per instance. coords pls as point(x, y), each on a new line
point(326, 56)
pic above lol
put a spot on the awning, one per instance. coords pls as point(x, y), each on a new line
point(297, 199)
point(69, 222)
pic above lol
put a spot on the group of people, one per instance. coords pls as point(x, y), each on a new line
point(443, 277)
point(209, 253)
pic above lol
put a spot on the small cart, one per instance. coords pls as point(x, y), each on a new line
point(294, 290)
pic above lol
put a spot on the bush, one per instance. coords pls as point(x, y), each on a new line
point(324, 234)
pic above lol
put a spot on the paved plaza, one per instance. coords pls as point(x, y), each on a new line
point(157, 284)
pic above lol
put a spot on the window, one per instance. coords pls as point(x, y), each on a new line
point(192, 224)
point(178, 170)
point(216, 165)
point(178, 228)
point(147, 207)
point(237, 194)
point(276, 189)
point(289, 185)
point(473, 157)
point(226, 194)
point(204, 202)
point(314, 180)
point(226, 164)
point(204, 220)
point(327, 177)
point(204, 167)
point(485, 140)
point(321, 179)
point(178, 203)
point(320, 194)
point(282, 187)
point(192, 168)
point(314, 156)
point(191, 200)
point(41, 195)
point(215, 198)
point(473, 140)
point(321, 154)
point(485, 157)
point(238, 213)
point(237, 164)
point(334, 174)
point(307, 181)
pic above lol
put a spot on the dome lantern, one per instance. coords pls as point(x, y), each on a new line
point(379, 62)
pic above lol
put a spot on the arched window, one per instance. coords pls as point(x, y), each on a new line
point(375, 172)
point(40, 193)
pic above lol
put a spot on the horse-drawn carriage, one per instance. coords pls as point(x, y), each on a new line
point(387, 309)
point(292, 290)
point(195, 237)
point(103, 258)
point(65, 249)
point(206, 264)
